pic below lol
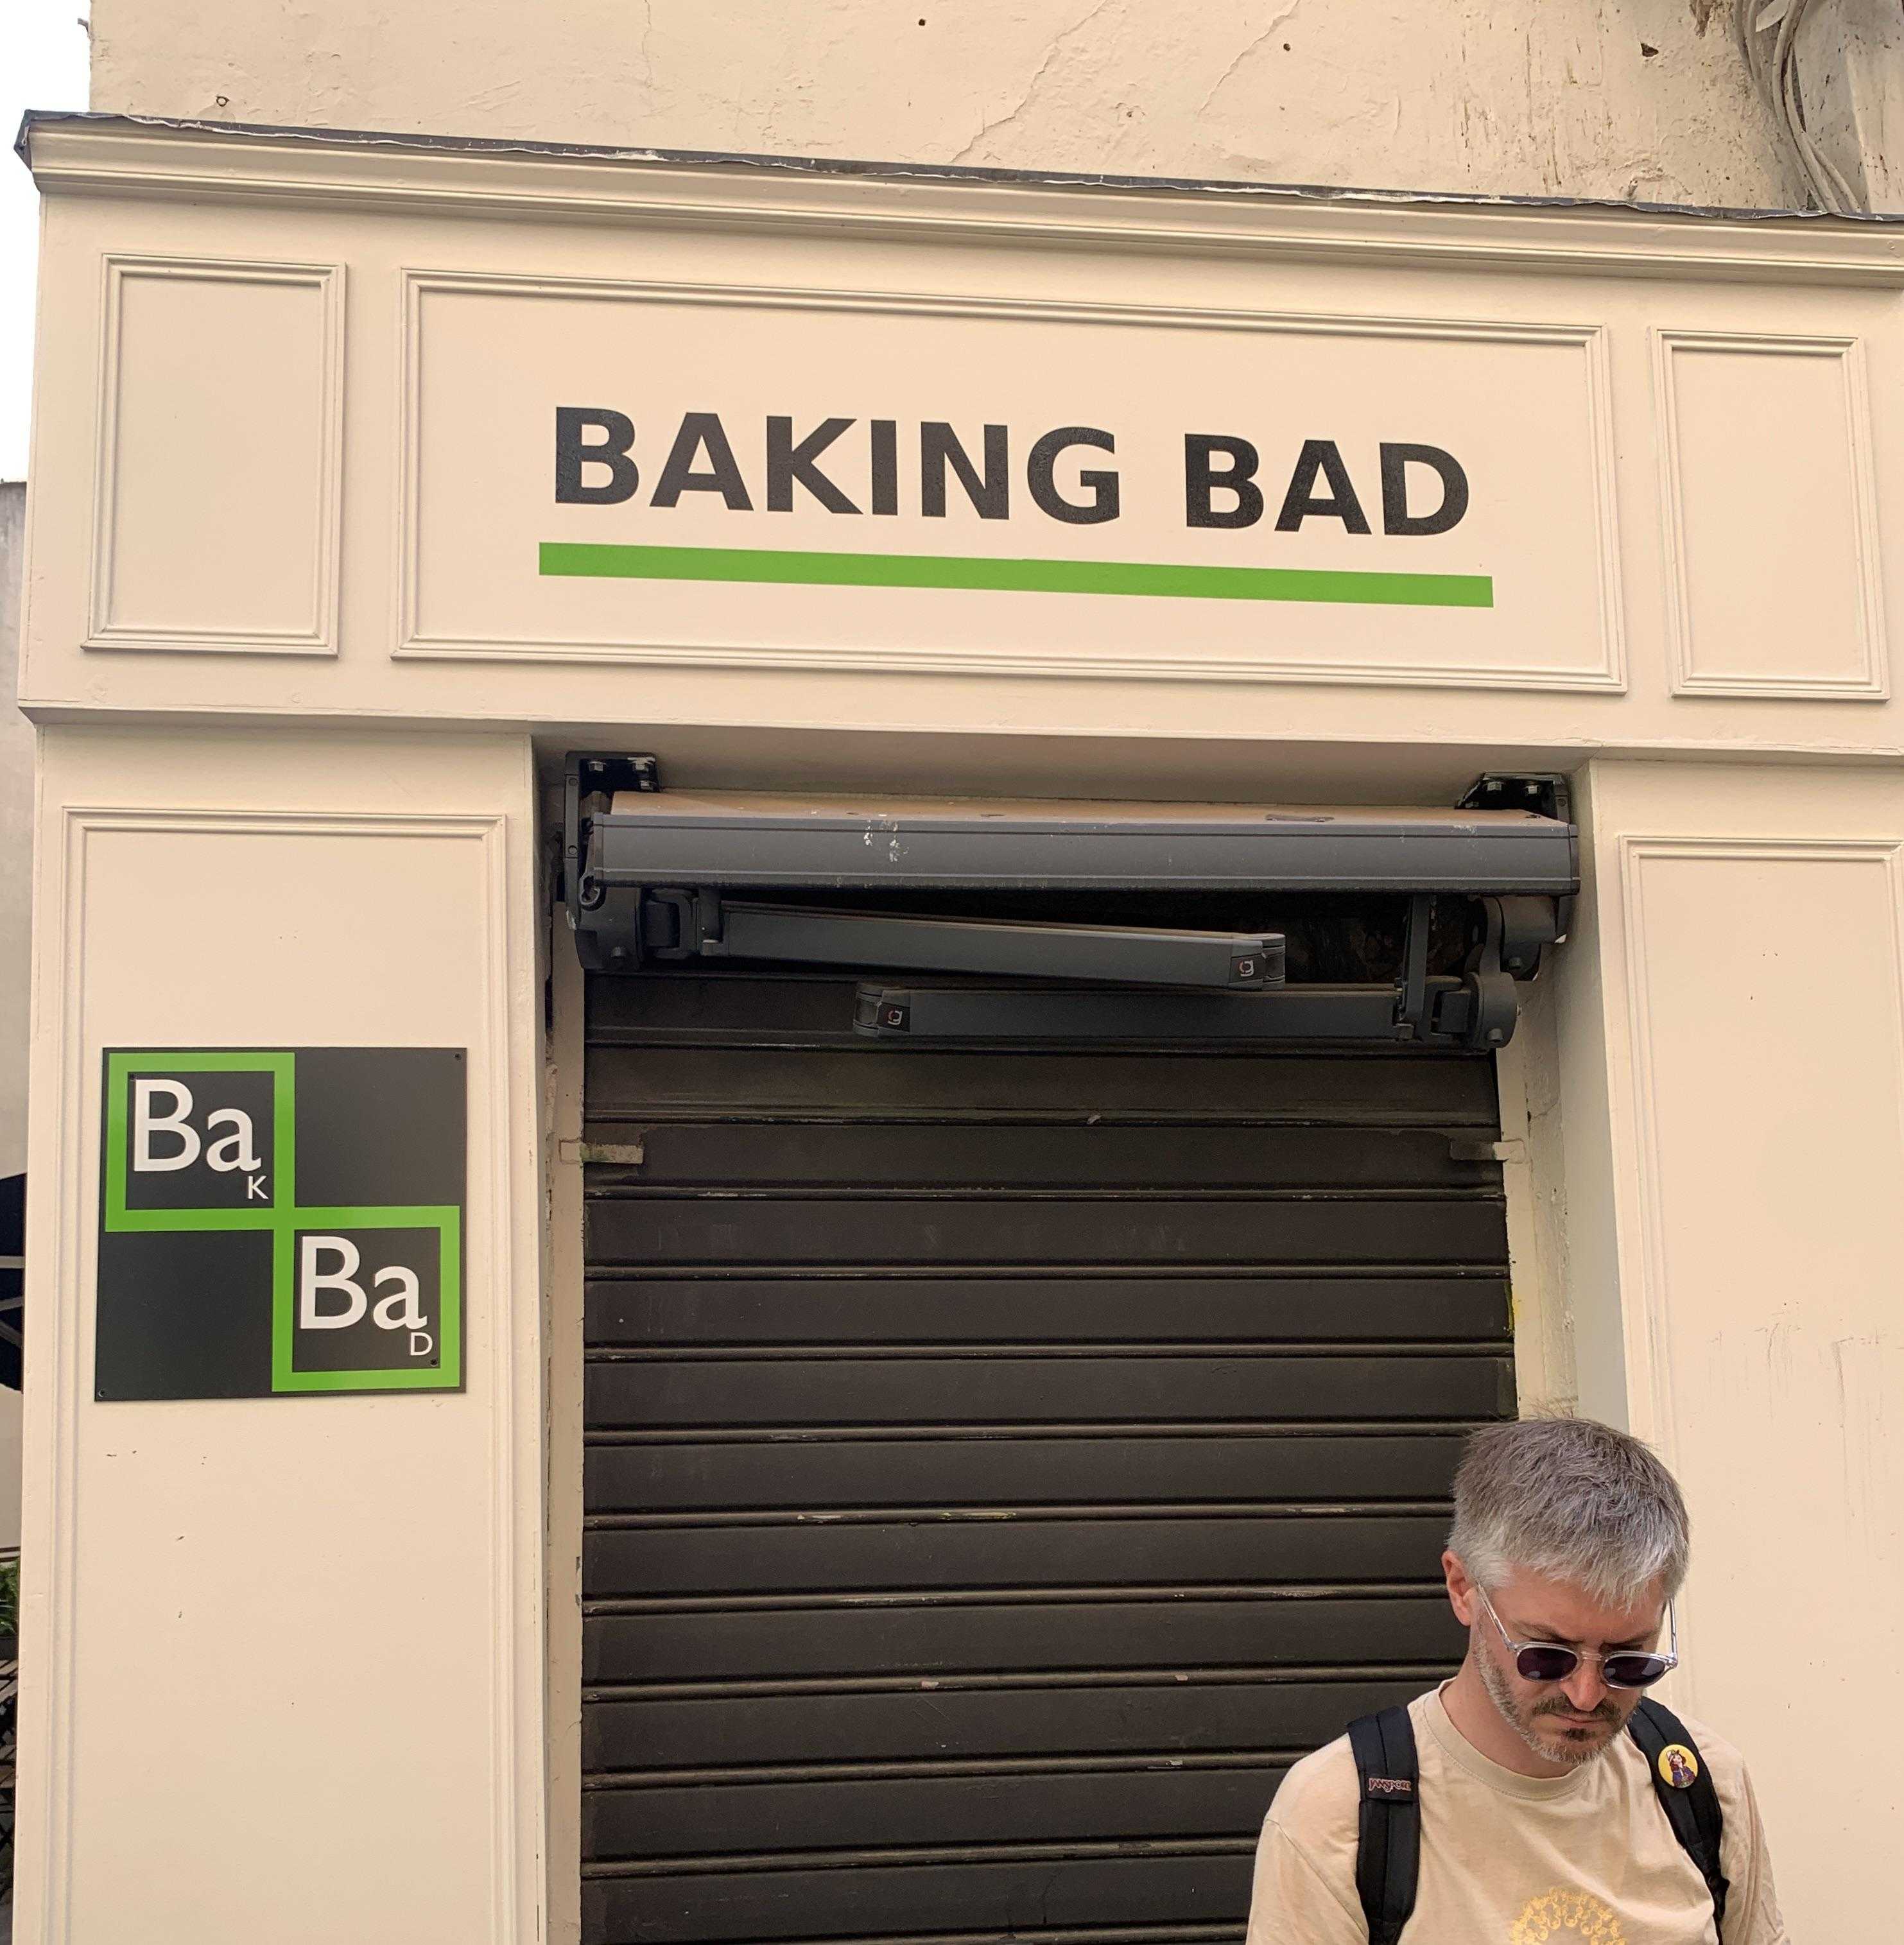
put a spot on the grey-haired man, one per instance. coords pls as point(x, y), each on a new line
point(1539, 1815)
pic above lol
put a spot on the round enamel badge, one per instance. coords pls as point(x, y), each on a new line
point(1678, 1766)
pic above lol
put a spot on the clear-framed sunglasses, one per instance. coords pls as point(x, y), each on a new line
point(1624, 1668)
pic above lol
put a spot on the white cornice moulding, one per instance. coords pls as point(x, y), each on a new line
point(111, 156)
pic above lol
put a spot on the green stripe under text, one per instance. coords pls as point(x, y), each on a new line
point(601, 561)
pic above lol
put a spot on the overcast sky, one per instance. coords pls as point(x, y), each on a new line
point(42, 65)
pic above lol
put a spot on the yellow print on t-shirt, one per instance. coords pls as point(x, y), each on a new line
point(1562, 1914)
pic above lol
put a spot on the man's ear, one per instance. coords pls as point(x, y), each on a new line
point(1461, 1589)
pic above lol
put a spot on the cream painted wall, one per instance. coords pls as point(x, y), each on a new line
point(1621, 98)
point(326, 435)
point(1711, 1141)
point(16, 836)
point(1732, 1010)
point(284, 1657)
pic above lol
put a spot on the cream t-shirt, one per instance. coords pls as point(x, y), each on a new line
point(1509, 1860)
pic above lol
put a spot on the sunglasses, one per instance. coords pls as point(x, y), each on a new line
point(1624, 1668)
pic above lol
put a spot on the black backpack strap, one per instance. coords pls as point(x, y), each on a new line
point(1389, 1854)
point(1691, 1808)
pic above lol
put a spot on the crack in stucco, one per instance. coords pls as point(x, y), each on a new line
point(1052, 53)
point(1249, 46)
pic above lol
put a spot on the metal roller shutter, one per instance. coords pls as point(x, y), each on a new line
point(1002, 1464)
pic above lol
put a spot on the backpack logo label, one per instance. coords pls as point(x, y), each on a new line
point(1381, 1787)
point(1678, 1766)
point(281, 1221)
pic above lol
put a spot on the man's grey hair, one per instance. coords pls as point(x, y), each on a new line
point(1571, 1499)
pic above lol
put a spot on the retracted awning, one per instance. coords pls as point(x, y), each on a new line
point(743, 841)
point(652, 876)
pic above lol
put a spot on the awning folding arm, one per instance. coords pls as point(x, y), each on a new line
point(1477, 1008)
point(647, 882)
point(701, 924)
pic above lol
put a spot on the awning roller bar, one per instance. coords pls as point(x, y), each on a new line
point(639, 837)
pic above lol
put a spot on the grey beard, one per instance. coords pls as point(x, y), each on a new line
point(1568, 1755)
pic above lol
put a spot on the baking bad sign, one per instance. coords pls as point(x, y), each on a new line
point(645, 475)
point(1067, 474)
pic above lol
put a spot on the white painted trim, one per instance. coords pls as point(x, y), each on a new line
point(43, 1800)
point(564, 1337)
point(116, 158)
point(1650, 1376)
point(321, 638)
point(1545, 1382)
point(1652, 1388)
point(517, 1478)
point(1873, 684)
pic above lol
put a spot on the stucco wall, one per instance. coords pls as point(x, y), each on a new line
point(1620, 98)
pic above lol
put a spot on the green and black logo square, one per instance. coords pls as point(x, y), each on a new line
point(281, 1221)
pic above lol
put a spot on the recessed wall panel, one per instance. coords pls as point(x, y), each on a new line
point(1771, 516)
point(216, 518)
point(219, 1562)
point(1768, 1065)
point(651, 473)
